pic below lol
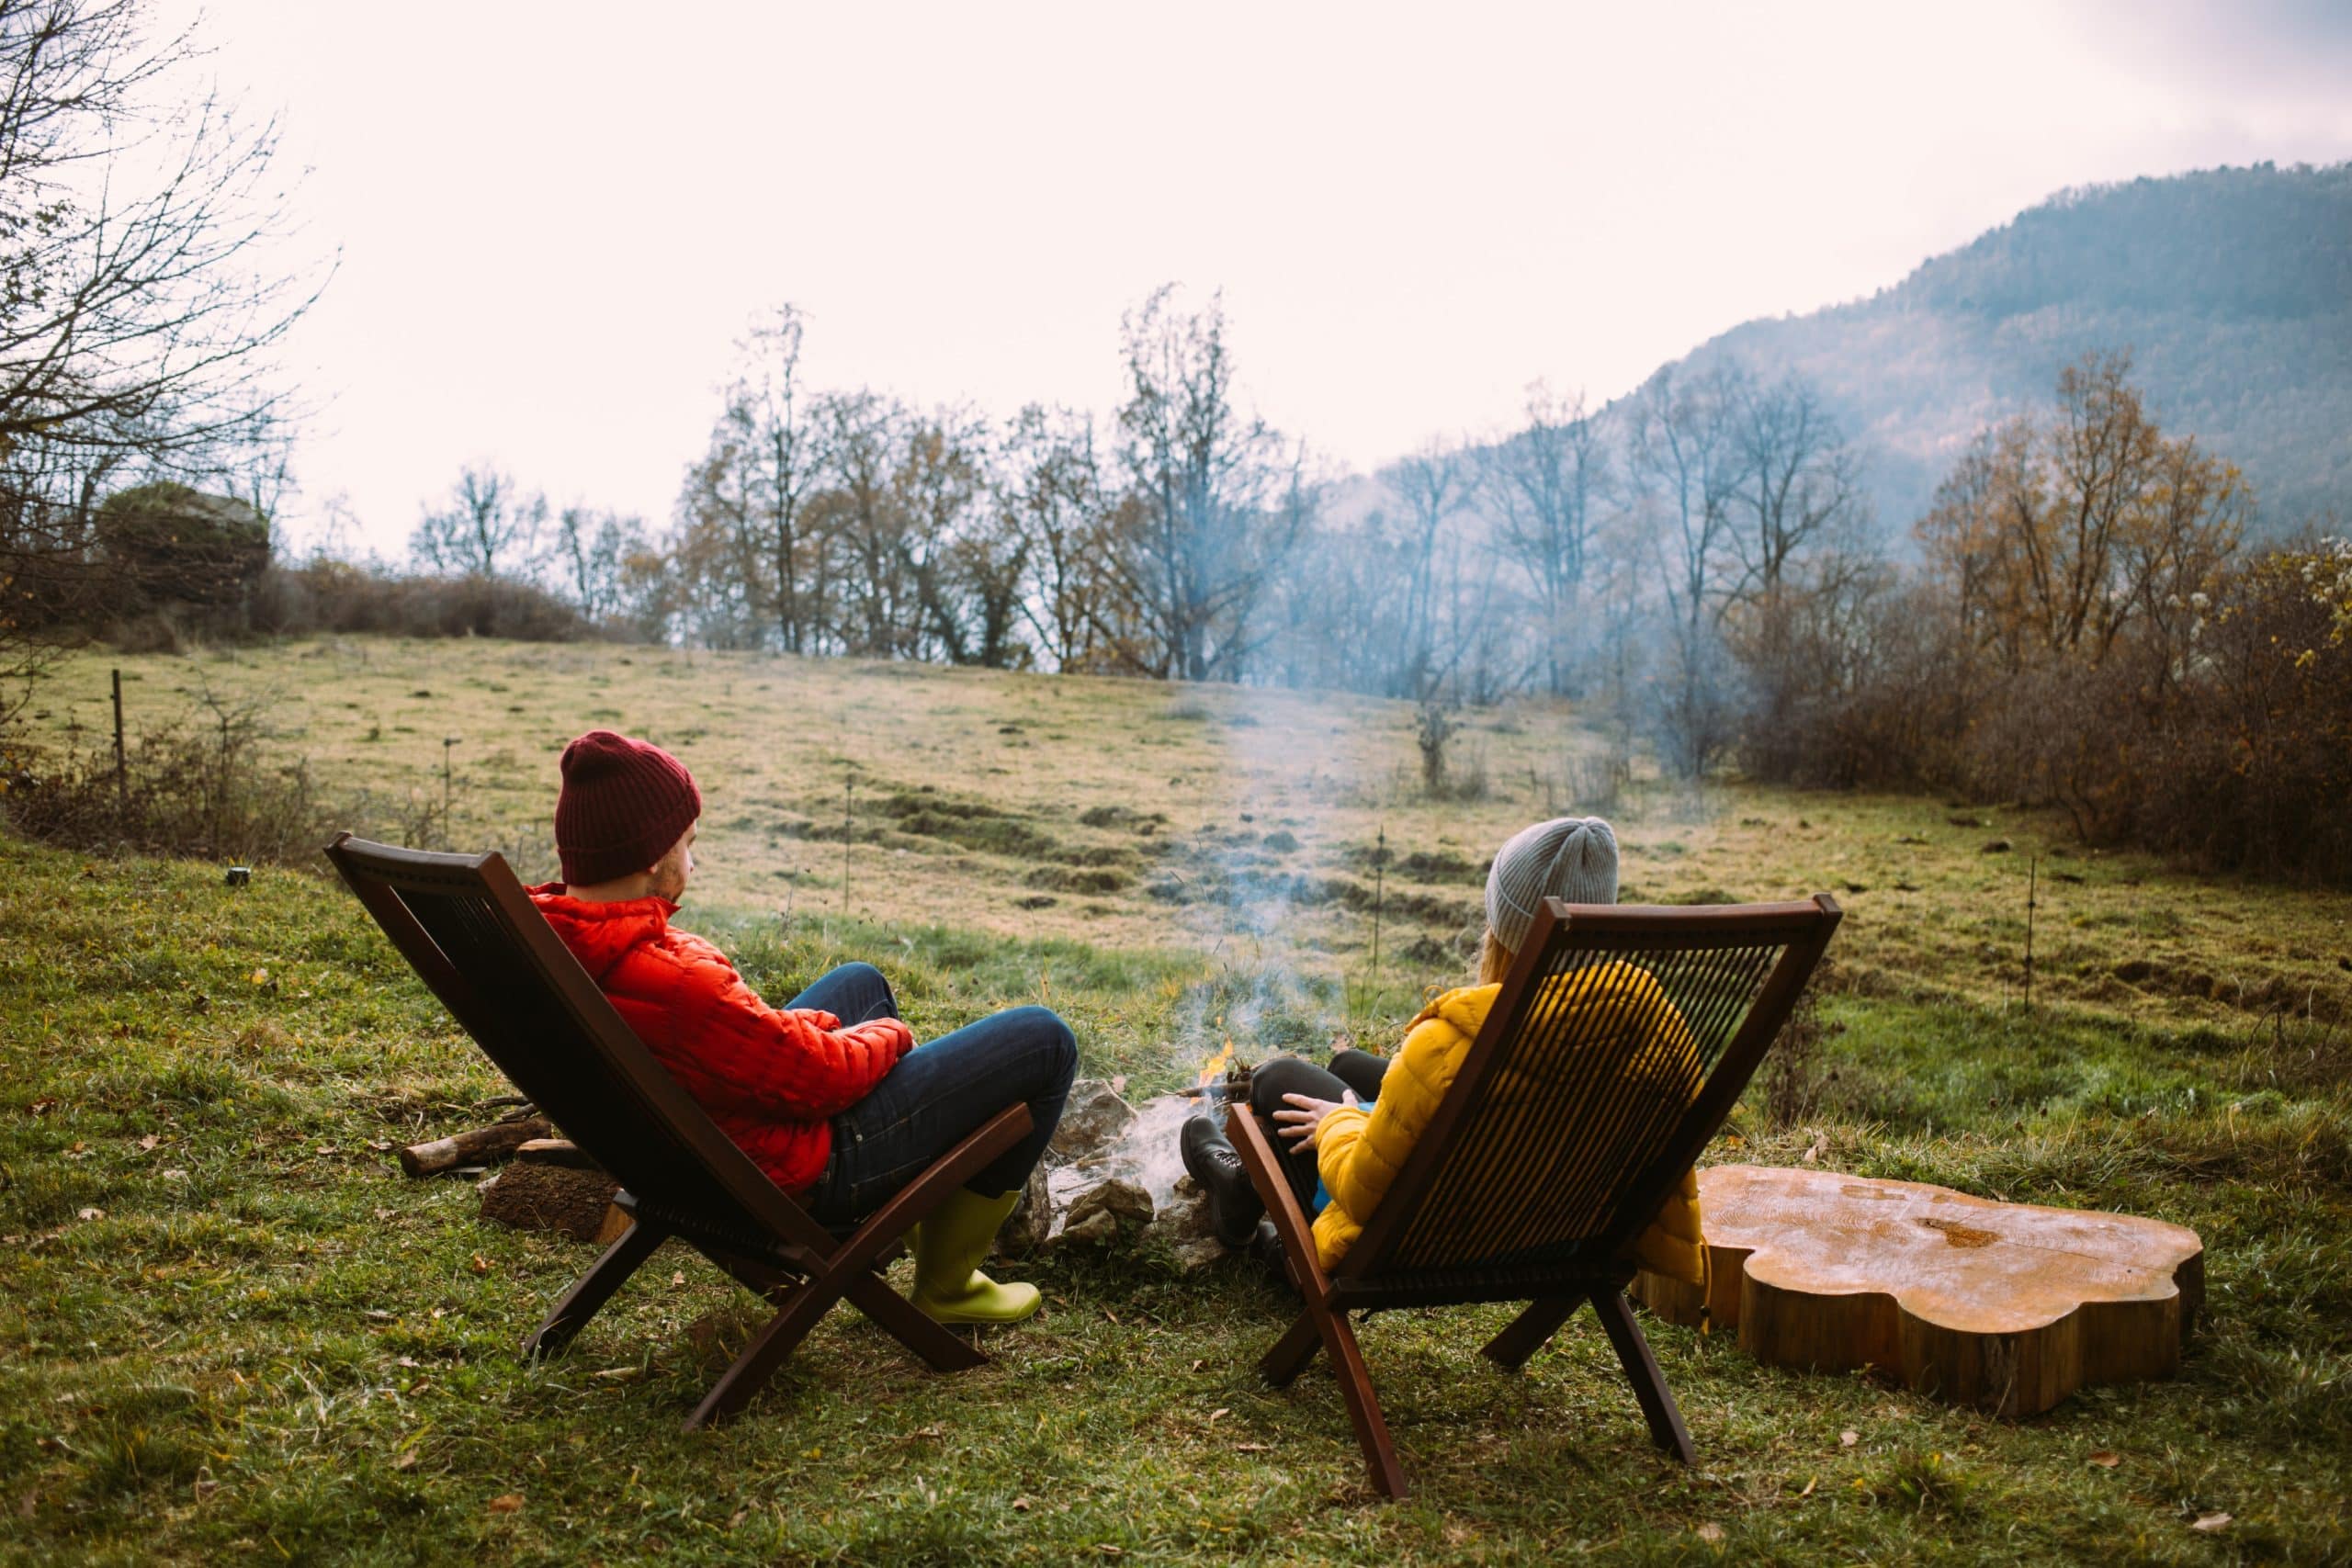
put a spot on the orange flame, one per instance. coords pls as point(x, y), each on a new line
point(1215, 1066)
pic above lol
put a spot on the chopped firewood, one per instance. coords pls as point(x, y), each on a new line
point(549, 1197)
point(473, 1148)
point(555, 1151)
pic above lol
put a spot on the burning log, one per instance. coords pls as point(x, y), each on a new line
point(477, 1148)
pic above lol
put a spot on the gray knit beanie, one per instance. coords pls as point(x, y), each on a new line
point(1570, 858)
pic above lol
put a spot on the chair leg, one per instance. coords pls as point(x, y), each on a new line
point(1364, 1407)
point(767, 1350)
point(1666, 1429)
point(941, 1348)
point(1292, 1351)
point(592, 1289)
point(1528, 1332)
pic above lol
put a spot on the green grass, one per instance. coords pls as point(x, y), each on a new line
point(272, 1344)
point(267, 1346)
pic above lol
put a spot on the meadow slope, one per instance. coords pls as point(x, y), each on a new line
point(229, 1329)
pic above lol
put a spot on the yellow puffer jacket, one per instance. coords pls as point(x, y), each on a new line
point(1361, 1152)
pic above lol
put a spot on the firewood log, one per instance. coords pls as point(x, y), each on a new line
point(478, 1146)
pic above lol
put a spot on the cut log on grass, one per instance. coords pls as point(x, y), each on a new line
point(554, 1151)
point(477, 1148)
point(549, 1197)
point(2004, 1306)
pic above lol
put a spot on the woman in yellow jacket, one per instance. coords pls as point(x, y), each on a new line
point(1349, 1128)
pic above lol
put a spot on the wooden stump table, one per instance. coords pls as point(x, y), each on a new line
point(2000, 1306)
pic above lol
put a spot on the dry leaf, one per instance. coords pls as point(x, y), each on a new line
point(1810, 1483)
point(1819, 1146)
point(2106, 1460)
point(2212, 1524)
point(679, 1278)
point(511, 1503)
point(406, 1460)
point(376, 1314)
point(1848, 1439)
point(261, 976)
point(89, 1214)
point(1020, 1505)
point(1711, 1532)
point(480, 1265)
point(147, 1143)
point(1220, 1414)
point(43, 1107)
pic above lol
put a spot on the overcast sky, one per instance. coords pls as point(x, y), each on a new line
point(554, 221)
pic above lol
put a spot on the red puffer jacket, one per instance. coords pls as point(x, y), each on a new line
point(768, 1078)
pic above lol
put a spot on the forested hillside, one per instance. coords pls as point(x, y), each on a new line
point(2231, 288)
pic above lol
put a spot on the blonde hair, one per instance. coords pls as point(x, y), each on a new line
point(1494, 959)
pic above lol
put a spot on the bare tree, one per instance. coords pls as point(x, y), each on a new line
point(1433, 486)
point(1799, 489)
point(939, 485)
point(863, 435)
point(1049, 491)
point(781, 446)
point(592, 550)
point(489, 528)
point(1221, 504)
point(1545, 485)
point(134, 322)
point(1686, 465)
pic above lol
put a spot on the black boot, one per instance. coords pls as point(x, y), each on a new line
point(1234, 1208)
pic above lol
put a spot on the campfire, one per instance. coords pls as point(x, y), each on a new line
point(1222, 1077)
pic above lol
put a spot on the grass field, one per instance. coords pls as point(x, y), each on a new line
point(228, 1329)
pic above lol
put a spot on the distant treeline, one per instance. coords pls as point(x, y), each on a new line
point(2075, 622)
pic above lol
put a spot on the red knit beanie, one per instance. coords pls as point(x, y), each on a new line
point(623, 803)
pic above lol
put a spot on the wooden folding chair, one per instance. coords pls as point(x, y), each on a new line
point(470, 932)
point(1546, 1158)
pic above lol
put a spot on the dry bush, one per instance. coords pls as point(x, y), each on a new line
point(206, 786)
point(337, 596)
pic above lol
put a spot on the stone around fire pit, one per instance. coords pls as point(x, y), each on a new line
point(1112, 1175)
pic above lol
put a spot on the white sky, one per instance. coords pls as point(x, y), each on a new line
point(554, 220)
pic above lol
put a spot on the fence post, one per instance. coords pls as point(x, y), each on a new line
point(121, 763)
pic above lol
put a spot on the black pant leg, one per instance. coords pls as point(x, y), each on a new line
point(1269, 1081)
point(1361, 1071)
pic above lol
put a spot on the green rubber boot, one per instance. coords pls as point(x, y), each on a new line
point(948, 1247)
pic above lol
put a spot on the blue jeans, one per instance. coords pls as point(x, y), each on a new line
point(938, 1095)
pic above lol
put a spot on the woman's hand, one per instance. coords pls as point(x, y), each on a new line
point(1302, 1116)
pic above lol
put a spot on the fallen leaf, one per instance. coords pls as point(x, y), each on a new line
point(1711, 1532)
point(147, 1143)
point(679, 1278)
point(1020, 1505)
point(409, 1361)
point(376, 1314)
point(1219, 1413)
point(89, 1214)
point(740, 1514)
point(41, 1107)
point(2106, 1460)
point(381, 1146)
point(480, 1265)
point(2212, 1524)
point(1199, 1364)
point(406, 1460)
point(511, 1503)
point(1849, 1438)
point(175, 1175)
point(1810, 1483)
point(1819, 1146)
point(261, 976)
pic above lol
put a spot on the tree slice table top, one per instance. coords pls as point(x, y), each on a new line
point(2006, 1306)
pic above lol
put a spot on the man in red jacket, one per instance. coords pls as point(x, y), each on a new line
point(830, 1094)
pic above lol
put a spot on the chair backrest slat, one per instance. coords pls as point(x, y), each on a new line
point(1616, 1046)
point(470, 929)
